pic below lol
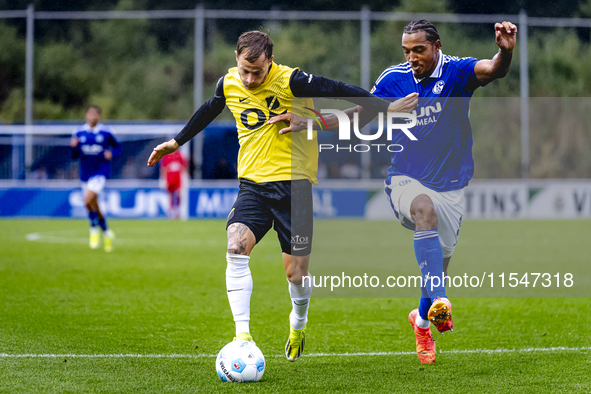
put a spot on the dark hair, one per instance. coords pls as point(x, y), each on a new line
point(423, 25)
point(253, 44)
point(98, 109)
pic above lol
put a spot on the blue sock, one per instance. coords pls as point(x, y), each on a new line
point(430, 258)
point(103, 223)
point(424, 303)
point(93, 219)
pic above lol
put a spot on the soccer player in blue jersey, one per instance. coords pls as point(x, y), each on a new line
point(426, 180)
point(95, 145)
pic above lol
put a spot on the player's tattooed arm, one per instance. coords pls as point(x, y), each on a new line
point(240, 239)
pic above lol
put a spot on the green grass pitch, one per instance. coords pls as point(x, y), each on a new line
point(162, 293)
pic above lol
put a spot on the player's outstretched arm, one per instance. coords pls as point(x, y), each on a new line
point(296, 123)
point(162, 150)
point(308, 85)
point(405, 104)
point(200, 119)
point(488, 70)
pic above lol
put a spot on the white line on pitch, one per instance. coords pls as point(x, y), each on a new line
point(467, 351)
point(75, 237)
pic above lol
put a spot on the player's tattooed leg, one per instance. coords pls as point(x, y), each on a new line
point(240, 239)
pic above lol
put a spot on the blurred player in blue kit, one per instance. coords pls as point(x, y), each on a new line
point(426, 180)
point(95, 145)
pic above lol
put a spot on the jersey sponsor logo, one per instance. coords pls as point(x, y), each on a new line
point(428, 110)
point(438, 88)
point(261, 118)
point(272, 104)
point(91, 150)
point(299, 240)
point(425, 114)
point(410, 121)
point(175, 166)
point(426, 121)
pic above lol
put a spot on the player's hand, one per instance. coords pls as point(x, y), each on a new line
point(74, 142)
point(108, 155)
point(505, 35)
point(406, 104)
point(162, 150)
point(294, 122)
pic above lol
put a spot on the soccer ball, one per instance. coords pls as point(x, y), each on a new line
point(240, 361)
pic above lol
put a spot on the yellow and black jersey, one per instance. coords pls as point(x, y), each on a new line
point(265, 155)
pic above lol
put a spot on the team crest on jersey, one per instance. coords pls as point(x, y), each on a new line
point(83, 139)
point(272, 103)
point(438, 88)
point(99, 138)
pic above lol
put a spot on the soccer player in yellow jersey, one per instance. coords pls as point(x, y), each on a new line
point(276, 173)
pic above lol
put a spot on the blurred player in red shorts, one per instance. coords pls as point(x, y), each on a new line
point(172, 169)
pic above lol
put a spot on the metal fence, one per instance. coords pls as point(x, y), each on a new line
point(365, 17)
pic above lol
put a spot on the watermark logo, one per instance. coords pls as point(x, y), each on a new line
point(313, 115)
point(410, 121)
point(394, 121)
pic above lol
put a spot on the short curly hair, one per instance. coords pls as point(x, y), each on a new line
point(253, 44)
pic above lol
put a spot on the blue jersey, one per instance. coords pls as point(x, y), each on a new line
point(92, 144)
point(441, 159)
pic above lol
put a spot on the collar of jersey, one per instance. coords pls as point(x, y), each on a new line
point(96, 129)
point(436, 73)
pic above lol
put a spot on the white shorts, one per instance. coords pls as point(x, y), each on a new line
point(95, 184)
point(449, 206)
